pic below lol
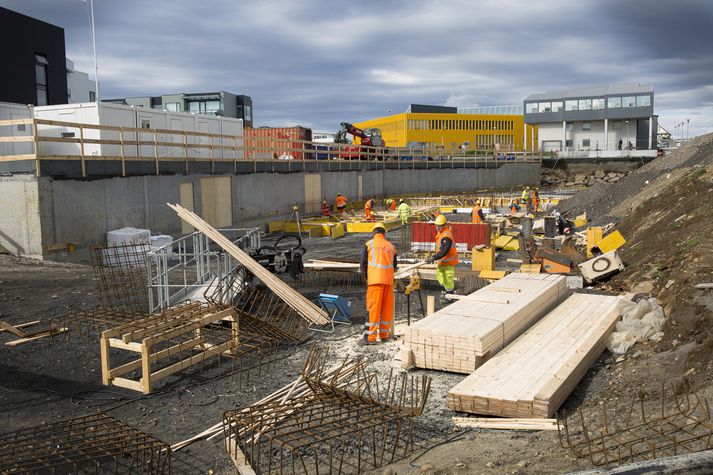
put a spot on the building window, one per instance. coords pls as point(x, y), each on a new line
point(585, 142)
point(41, 64)
point(204, 107)
point(598, 104)
point(92, 96)
point(173, 106)
point(145, 123)
point(614, 102)
point(585, 104)
point(571, 105)
point(556, 106)
point(531, 107)
point(586, 126)
point(643, 101)
point(545, 107)
point(629, 101)
point(568, 143)
point(248, 113)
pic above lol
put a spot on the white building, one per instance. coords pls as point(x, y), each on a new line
point(595, 119)
point(79, 87)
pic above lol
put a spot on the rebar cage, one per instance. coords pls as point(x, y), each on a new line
point(650, 429)
point(345, 423)
point(96, 443)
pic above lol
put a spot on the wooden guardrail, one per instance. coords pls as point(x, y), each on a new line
point(91, 142)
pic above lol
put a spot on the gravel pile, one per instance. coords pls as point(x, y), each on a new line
point(599, 201)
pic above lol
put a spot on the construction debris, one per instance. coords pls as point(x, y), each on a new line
point(25, 337)
point(533, 376)
point(343, 423)
point(678, 422)
point(97, 443)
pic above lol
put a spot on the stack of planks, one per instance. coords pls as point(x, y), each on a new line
point(533, 376)
point(463, 335)
point(306, 309)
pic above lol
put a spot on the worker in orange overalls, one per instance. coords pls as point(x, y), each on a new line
point(325, 209)
point(514, 208)
point(477, 213)
point(392, 205)
point(341, 203)
point(446, 255)
point(368, 206)
point(535, 199)
point(378, 264)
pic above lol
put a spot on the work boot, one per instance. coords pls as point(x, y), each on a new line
point(365, 342)
point(442, 300)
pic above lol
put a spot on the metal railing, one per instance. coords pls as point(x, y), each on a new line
point(178, 268)
point(86, 143)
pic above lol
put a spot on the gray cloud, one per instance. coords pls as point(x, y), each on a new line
point(317, 63)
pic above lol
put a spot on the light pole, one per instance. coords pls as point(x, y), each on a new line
point(94, 50)
point(627, 134)
point(688, 128)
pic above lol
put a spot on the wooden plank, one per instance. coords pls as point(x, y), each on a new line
point(36, 336)
point(533, 376)
point(306, 309)
point(505, 424)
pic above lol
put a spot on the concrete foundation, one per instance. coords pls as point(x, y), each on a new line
point(41, 214)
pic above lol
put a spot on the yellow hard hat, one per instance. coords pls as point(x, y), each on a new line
point(477, 202)
point(378, 226)
point(440, 220)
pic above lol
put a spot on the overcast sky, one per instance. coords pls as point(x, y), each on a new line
point(320, 62)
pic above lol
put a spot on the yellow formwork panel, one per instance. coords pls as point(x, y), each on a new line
point(612, 242)
point(337, 231)
point(594, 235)
point(507, 243)
point(368, 226)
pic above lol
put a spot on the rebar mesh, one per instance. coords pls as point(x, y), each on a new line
point(122, 276)
point(96, 443)
point(345, 423)
point(650, 429)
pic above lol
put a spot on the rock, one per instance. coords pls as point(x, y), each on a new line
point(521, 464)
point(669, 283)
point(645, 287)
point(615, 179)
point(460, 465)
point(489, 465)
point(619, 359)
point(388, 471)
point(599, 174)
point(427, 468)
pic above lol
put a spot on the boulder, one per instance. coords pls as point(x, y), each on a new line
point(599, 174)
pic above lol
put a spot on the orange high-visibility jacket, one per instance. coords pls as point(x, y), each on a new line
point(476, 216)
point(451, 258)
point(341, 201)
point(380, 268)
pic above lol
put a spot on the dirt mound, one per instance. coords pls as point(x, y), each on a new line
point(609, 202)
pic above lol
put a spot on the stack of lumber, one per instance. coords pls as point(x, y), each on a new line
point(463, 335)
point(318, 264)
point(533, 376)
point(306, 309)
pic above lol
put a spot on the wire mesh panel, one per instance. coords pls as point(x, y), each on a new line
point(97, 443)
point(122, 276)
point(676, 423)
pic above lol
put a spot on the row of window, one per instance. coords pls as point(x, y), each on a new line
point(414, 124)
point(588, 104)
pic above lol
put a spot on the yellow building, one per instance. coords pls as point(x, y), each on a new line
point(452, 129)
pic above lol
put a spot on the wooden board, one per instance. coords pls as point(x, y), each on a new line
point(534, 375)
point(463, 335)
point(305, 308)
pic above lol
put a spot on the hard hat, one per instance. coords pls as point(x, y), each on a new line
point(440, 220)
point(401, 201)
point(339, 194)
point(477, 202)
point(378, 227)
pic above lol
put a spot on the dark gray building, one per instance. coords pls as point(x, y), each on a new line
point(614, 117)
point(33, 59)
point(210, 103)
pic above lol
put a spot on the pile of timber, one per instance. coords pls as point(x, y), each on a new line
point(306, 309)
point(533, 376)
point(463, 335)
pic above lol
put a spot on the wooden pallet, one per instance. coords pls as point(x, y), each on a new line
point(533, 376)
point(178, 332)
point(463, 335)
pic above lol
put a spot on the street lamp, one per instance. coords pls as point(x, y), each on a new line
point(94, 50)
point(627, 133)
point(688, 128)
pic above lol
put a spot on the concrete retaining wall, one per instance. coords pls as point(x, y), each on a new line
point(43, 211)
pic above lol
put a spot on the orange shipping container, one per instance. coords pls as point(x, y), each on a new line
point(274, 142)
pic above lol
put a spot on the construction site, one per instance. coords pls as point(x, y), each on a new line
point(198, 305)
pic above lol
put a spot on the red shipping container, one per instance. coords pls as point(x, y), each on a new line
point(274, 142)
point(466, 235)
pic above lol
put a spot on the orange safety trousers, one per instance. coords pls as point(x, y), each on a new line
point(380, 305)
point(369, 216)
